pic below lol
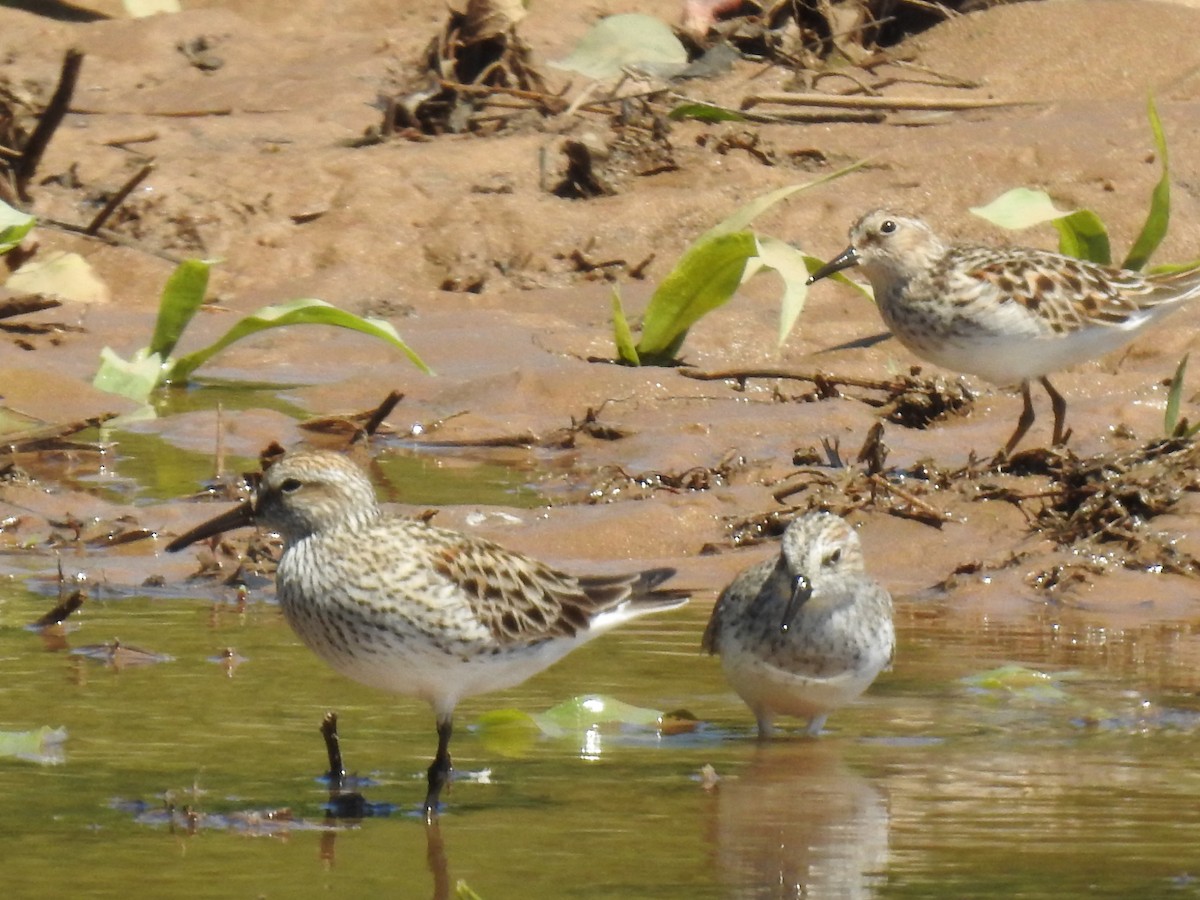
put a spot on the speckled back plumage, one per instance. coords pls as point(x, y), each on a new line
point(1006, 314)
point(409, 607)
point(805, 654)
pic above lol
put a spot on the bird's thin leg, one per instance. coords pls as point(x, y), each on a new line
point(440, 768)
point(1025, 421)
point(1059, 405)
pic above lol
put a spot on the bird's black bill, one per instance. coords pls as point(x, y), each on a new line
point(237, 517)
point(844, 260)
point(801, 591)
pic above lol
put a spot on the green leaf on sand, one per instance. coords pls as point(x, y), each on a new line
point(1159, 216)
point(1081, 234)
point(14, 225)
point(704, 279)
point(182, 295)
point(622, 334)
point(297, 312)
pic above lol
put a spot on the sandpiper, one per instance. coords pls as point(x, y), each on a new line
point(805, 632)
point(404, 606)
point(1008, 314)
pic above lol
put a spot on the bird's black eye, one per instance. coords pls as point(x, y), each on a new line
point(833, 557)
point(887, 227)
point(290, 485)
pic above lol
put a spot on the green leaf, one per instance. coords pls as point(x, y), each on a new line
point(463, 891)
point(508, 732)
point(1159, 216)
point(134, 378)
point(1082, 235)
point(43, 745)
point(182, 295)
point(1020, 208)
point(14, 225)
point(744, 215)
point(622, 335)
point(579, 714)
point(792, 267)
point(65, 275)
point(297, 312)
point(1174, 397)
point(632, 40)
point(706, 277)
point(705, 112)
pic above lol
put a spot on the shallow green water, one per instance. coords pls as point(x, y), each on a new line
point(929, 787)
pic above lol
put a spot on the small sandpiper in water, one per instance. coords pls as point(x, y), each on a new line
point(805, 632)
point(403, 606)
point(1007, 315)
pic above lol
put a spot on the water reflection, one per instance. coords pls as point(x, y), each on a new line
point(798, 822)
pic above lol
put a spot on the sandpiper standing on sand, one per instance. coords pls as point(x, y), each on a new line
point(804, 632)
point(1008, 314)
point(400, 605)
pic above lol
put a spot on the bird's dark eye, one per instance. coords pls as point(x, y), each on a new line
point(887, 227)
point(833, 557)
point(290, 485)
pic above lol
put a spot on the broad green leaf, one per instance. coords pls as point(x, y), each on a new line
point(14, 225)
point(744, 215)
point(625, 41)
point(508, 732)
point(705, 112)
point(582, 713)
point(182, 295)
point(1083, 236)
point(1080, 233)
point(134, 378)
point(1174, 397)
point(462, 891)
point(66, 275)
point(297, 312)
point(622, 335)
point(1159, 215)
point(706, 277)
point(792, 267)
point(1020, 208)
point(43, 745)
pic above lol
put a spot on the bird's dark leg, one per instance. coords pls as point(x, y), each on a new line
point(1059, 405)
point(1025, 421)
point(439, 770)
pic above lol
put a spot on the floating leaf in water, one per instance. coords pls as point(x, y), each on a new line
point(43, 745)
point(511, 732)
point(632, 40)
point(508, 732)
point(1019, 681)
point(593, 710)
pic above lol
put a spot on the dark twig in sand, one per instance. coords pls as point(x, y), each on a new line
point(118, 198)
point(51, 118)
point(27, 303)
point(859, 102)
